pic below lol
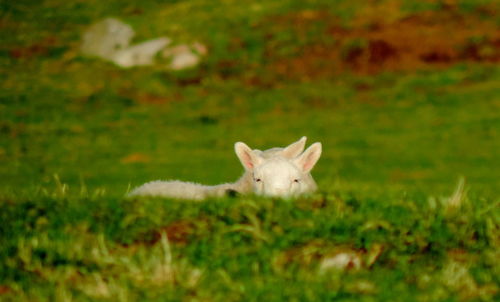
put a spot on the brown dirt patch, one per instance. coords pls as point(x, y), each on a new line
point(178, 232)
point(135, 158)
point(5, 289)
point(45, 47)
point(420, 41)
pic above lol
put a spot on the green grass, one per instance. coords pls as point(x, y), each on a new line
point(411, 248)
point(76, 133)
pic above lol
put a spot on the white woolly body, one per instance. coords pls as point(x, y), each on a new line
point(281, 172)
point(187, 190)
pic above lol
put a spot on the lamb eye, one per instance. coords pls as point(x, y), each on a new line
point(296, 180)
point(258, 180)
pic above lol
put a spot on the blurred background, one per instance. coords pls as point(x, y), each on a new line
point(404, 95)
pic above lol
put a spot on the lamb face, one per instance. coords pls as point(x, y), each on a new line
point(274, 174)
point(278, 177)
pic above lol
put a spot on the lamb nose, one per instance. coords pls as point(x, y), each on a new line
point(279, 192)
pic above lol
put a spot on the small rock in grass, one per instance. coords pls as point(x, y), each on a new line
point(341, 261)
point(184, 56)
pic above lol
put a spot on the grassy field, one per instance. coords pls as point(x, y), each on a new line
point(404, 96)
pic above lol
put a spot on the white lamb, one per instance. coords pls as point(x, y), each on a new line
point(279, 172)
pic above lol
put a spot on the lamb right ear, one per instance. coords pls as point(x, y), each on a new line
point(294, 149)
point(309, 158)
point(247, 157)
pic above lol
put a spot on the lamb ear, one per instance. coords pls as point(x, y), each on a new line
point(247, 157)
point(308, 159)
point(294, 149)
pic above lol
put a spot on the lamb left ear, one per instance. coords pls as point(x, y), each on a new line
point(294, 149)
point(309, 158)
point(247, 157)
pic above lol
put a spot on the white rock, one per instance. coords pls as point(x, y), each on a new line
point(139, 54)
point(340, 261)
point(184, 56)
point(105, 38)
point(184, 61)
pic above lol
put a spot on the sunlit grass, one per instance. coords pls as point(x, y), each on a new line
point(384, 247)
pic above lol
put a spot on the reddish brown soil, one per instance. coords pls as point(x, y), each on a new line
point(5, 289)
point(36, 49)
point(178, 232)
point(421, 41)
